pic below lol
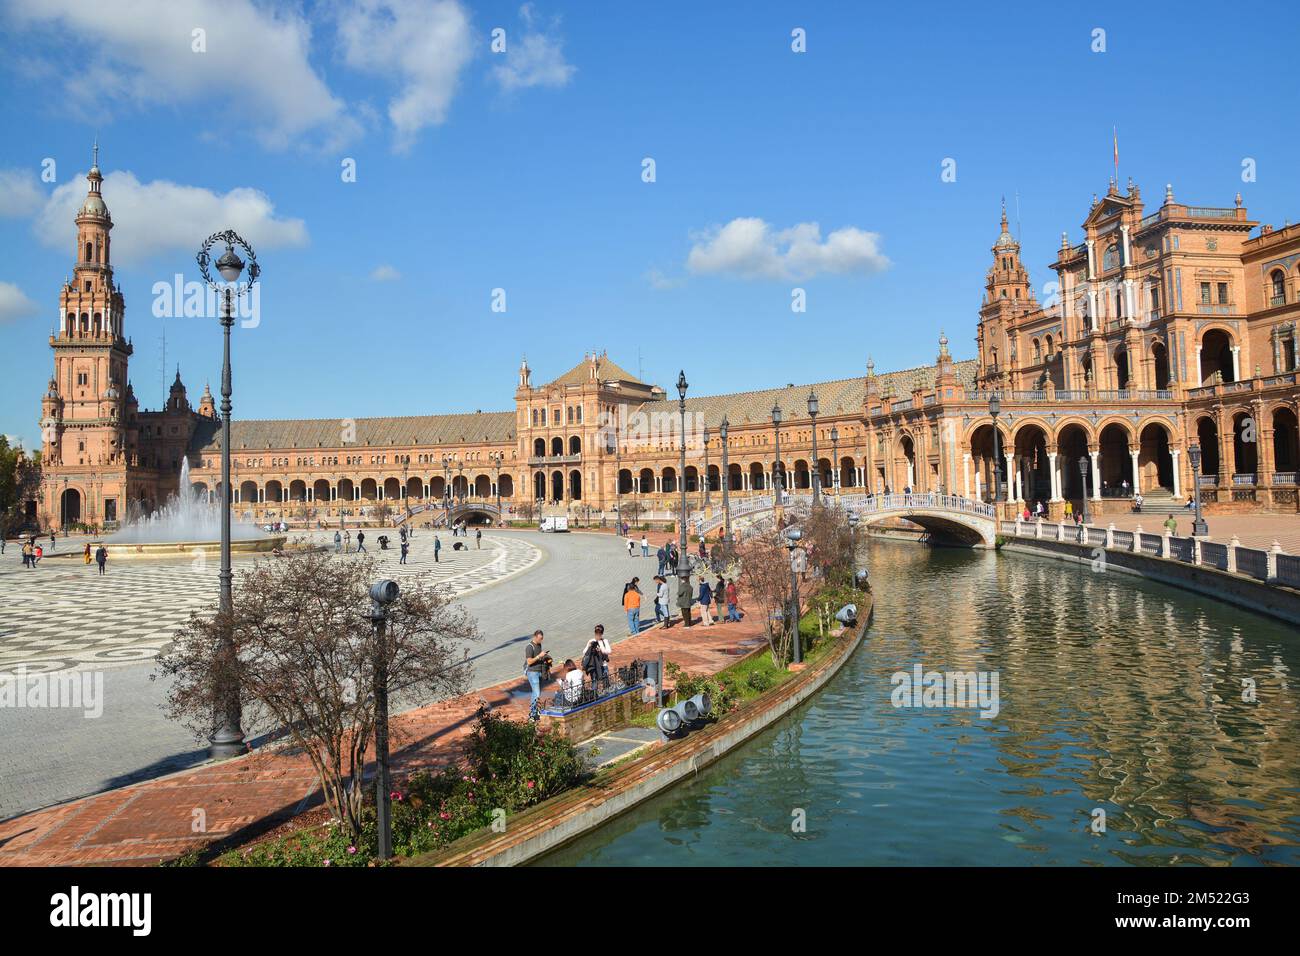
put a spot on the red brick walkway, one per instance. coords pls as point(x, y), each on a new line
point(157, 820)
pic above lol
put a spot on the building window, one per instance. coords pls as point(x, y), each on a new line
point(1223, 293)
point(1278, 295)
point(1205, 293)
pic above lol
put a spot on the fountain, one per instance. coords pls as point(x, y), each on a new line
point(186, 522)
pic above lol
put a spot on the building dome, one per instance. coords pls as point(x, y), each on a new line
point(1005, 241)
point(93, 206)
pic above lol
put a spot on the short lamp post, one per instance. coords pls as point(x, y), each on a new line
point(792, 536)
point(853, 546)
point(228, 738)
point(382, 596)
point(1199, 527)
point(777, 483)
point(723, 430)
point(813, 406)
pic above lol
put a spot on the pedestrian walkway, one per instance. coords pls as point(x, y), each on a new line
point(238, 799)
point(1253, 531)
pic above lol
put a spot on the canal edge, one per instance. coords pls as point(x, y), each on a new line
point(575, 813)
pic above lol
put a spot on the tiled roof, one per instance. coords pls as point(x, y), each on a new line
point(609, 372)
point(837, 397)
point(370, 432)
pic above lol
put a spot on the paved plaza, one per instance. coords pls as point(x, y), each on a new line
point(64, 615)
point(520, 580)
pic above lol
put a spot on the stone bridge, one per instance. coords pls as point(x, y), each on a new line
point(949, 517)
point(437, 512)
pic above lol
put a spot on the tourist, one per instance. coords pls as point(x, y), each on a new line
point(631, 548)
point(719, 587)
point(706, 603)
point(405, 547)
point(101, 557)
point(86, 554)
point(645, 546)
point(437, 548)
point(632, 604)
point(732, 597)
point(1171, 525)
point(1123, 488)
point(536, 663)
point(27, 555)
point(595, 657)
point(1069, 509)
point(52, 541)
point(1137, 502)
point(684, 599)
point(662, 555)
point(347, 542)
point(571, 682)
point(361, 541)
point(478, 539)
point(37, 554)
point(338, 542)
point(662, 611)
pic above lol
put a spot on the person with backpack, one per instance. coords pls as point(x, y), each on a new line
point(101, 558)
point(361, 541)
point(706, 603)
point(437, 548)
point(595, 658)
point(662, 555)
point(405, 547)
point(537, 668)
point(719, 587)
point(684, 599)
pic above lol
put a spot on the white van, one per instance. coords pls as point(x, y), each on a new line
point(555, 523)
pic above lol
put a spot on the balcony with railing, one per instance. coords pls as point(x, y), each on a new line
point(537, 460)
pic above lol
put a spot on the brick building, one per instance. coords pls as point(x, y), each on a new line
point(1165, 329)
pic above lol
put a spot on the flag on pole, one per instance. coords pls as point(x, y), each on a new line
point(1115, 142)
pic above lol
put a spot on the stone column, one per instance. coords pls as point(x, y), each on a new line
point(1056, 478)
point(1236, 363)
point(1096, 474)
point(1175, 454)
point(965, 474)
point(1137, 475)
point(1012, 495)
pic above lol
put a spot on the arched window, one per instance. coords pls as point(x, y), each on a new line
point(89, 253)
point(1278, 295)
point(1038, 351)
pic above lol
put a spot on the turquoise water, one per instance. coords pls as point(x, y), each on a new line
point(1115, 694)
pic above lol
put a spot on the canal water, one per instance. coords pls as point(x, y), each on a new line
point(1136, 725)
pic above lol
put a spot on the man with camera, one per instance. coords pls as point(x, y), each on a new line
point(537, 668)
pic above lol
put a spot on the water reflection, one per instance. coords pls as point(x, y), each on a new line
point(1116, 695)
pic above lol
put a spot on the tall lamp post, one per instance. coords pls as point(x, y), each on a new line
point(1199, 527)
point(683, 556)
point(1083, 480)
point(816, 462)
point(228, 738)
point(723, 429)
point(792, 536)
point(777, 483)
point(382, 595)
point(995, 407)
point(446, 491)
point(835, 453)
point(497, 457)
point(853, 546)
point(706, 466)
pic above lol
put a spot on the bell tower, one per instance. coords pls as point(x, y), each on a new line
point(85, 425)
point(1007, 294)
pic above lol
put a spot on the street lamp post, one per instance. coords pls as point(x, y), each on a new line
point(382, 594)
point(228, 739)
point(706, 467)
point(777, 483)
point(1199, 527)
point(683, 556)
point(995, 407)
point(835, 454)
point(446, 491)
point(853, 547)
point(792, 536)
point(723, 429)
point(497, 458)
point(1083, 480)
point(816, 462)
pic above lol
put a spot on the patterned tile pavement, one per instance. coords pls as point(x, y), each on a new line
point(65, 616)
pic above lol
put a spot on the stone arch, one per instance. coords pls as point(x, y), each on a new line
point(482, 487)
point(70, 506)
point(625, 481)
point(668, 480)
point(1245, 443)
point(248, 492)
point(802, 475)
point(274, 491)
point(557, 485)
point(1113, 442)
point(1033, 467)
point(1286, 441)
point(1155, 463)
point(646, 481)
point(320, 490)
point(757, 480)
point(1207, 436)
point(557, 446)
point(506, 486)
point(575, 445)
point(539, 486)
point(369, 489)
point(539, 447)
point(848, 472)
point(392, 488)
point(735, 477)
point(1072, 440)
point(575, 485)
point(1216, 345)
point(297, 490)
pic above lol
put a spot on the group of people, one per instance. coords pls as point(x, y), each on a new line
point(32, 552)
point(538, 665)
point(721, 593)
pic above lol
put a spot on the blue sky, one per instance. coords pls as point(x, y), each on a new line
point(522, 171)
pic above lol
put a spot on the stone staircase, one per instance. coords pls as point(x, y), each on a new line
point(1161, 501)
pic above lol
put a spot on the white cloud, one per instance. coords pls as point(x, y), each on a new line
point(255, 70)
point(14, 304)
point(19, 193)
point(165, 217)
point(385, 273)
point(534, 57)
point(423, 45)
point(751, 249)
point(658, 280)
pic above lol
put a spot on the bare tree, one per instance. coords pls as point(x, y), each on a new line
point(526, 509)
point(304, 662)
point(765, 576)
point(828, 542)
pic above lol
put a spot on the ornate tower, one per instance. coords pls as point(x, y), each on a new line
point(1007, 294)
point(85, 425)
